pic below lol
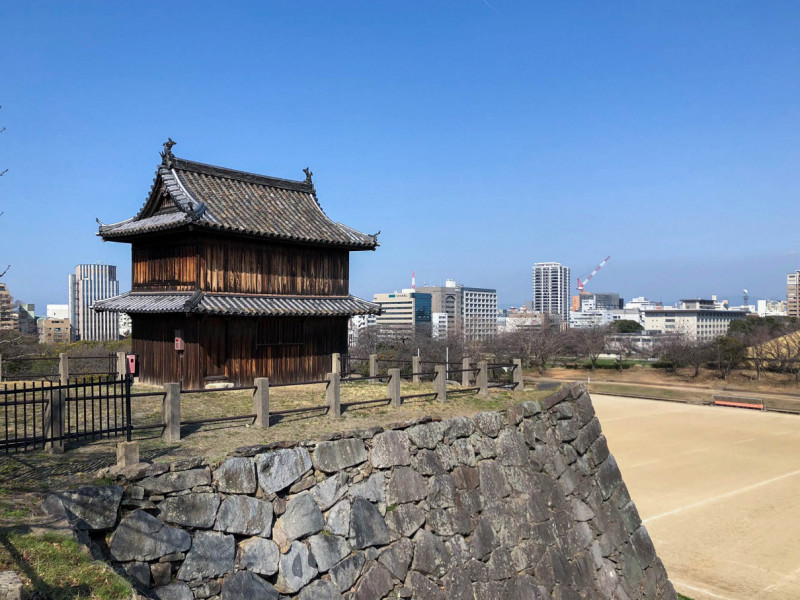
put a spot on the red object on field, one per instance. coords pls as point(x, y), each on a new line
point(738, 404)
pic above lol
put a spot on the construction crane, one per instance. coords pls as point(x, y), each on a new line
point(583, 282)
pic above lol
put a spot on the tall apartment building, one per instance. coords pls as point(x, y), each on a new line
point(404, 314)
point(551, 285)
point(54, 331)
point(8, 318)
point(87, 285)
point(793, 294)
point(480, 313)
point(27, 319)
point(470, 312)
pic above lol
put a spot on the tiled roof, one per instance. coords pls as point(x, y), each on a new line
point(236, 305)
point(218, 199)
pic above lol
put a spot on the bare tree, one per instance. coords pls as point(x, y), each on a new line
point(589, 342)
point(539, 345)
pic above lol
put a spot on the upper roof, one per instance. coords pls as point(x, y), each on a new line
point(204, 197)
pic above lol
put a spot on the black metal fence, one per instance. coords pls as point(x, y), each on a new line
point(47, 368)
point(42, 415)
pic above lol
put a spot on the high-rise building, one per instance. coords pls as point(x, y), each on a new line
point(87, 285)
point(404, 314)
point(793, 294)
point(551, 285)
point(8, 318)
point(470, 312)
point(480, 313)
point(27, 319)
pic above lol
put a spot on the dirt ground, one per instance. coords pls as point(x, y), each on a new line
point(717, 489)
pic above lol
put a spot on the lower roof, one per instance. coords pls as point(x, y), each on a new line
point(206, 303)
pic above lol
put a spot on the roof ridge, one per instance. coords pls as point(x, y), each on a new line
point(246, 176)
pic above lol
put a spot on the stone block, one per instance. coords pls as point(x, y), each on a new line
point(258, 555)
point(245, 516)
point(212, 554)
point(244, 585)
point(236, 476)
point(390, 449)
point(331, 457)
point(346, 573)
point(176, 481)
point(328, 550)
point(192, 510)
point(173, 591)
point(405, 519)
point(367, 525)
point(375, 583)
point(405, 485)
point(302, 517)
point(279, 469)
point(296, 569)
point(92, 508)
point(329, 491)
point(140, 536)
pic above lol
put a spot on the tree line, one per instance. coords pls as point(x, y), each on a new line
point(762, 344)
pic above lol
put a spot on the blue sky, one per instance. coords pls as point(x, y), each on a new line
point(478, 136)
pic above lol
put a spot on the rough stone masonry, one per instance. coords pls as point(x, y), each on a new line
point(521, 504)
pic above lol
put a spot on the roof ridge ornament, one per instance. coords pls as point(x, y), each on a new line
point(166, 155)
point(309, 173)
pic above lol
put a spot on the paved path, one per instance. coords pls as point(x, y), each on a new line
point(719, 492)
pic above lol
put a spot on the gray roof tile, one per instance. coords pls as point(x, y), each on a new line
point(215, 198)
point(236, 305)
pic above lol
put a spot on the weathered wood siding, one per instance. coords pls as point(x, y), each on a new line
point(167, 265)
point(237, 348)
point(222, 264)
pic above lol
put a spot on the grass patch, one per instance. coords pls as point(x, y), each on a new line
point(56, 567)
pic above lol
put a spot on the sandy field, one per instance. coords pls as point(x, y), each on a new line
point(719, 492)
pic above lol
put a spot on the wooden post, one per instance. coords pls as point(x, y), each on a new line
point(54, 422)
point(482, 379)
point(261, 402)
point(415, 369)
point(63, 368)
point(122, 368)
point(465, 375)
point(171, 412)
point(332, 395)
point(373, 367)
point(440, 383)
point(516, 376)
point(394, 387)
point(336, 362)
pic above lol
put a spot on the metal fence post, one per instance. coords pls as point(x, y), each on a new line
point(516, 376)
point(482, 379)
point(332, 397)
point(336, 363)
point(373, 367)
point(465, 373)
point(171, 412)
point(54, 422)
point(63, 368)
point(440, 383)
point(122, 369)
point(415, 369)
point(394, 387)
point(261, 402)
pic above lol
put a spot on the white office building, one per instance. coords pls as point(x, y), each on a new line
point(87, 285)
point(551, 287)
point(698, 319)
point(58, 311)
point(480, 313)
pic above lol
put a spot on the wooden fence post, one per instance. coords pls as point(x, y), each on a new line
point(516, 376)
point(171, 412)
point(440, 383)
point(394, 387)
point(373, 367)
point(465, 375)
point(54, 422)
point(122, 368)
point(336, 363)
point(332, 395)
point(482, 379)
point(63, 368)
point(415, 369)
point(261, 402)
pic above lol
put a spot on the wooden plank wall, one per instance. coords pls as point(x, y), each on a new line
point(153, 341)
point(220, 264)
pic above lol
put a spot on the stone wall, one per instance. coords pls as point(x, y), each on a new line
point(525, 503)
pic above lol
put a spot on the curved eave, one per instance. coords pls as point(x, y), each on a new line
point(110, 235)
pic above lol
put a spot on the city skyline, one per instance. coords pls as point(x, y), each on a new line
point(478, 138)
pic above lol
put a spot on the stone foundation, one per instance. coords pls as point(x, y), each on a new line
point(525, 503)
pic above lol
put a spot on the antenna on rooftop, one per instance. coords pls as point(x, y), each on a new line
point(746, 297)
point(413, 280)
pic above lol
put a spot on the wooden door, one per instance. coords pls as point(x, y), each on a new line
point(215, 344)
